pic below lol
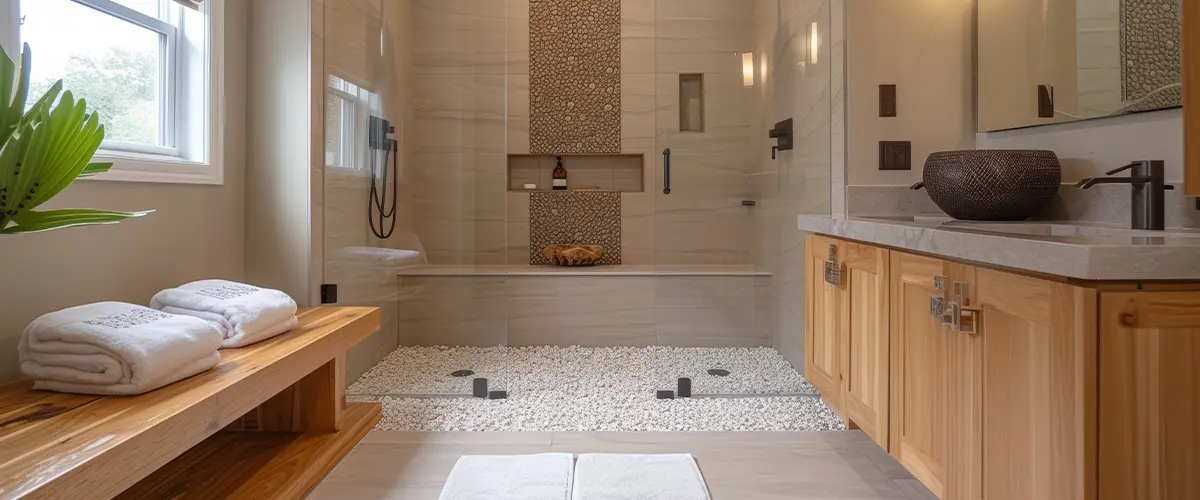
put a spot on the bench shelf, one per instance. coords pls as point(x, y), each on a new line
point(280, 402)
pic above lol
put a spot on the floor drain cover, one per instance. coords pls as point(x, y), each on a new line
point(717, 372)
point(462, 373)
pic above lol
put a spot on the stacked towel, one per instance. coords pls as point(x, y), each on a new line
point(243, 313)
point(113, 348)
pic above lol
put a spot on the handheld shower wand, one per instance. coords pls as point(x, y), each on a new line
point(378, 205)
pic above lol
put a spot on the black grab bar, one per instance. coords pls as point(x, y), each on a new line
point(667, 171)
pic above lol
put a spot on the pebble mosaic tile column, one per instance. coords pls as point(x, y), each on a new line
point(574, 76)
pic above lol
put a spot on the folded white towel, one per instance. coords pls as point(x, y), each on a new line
point(638, 477)
point(545, 476)
point(113, 348)
point(245, 314)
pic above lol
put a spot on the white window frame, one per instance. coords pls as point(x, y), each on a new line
point(194, 117)
point(355, 136)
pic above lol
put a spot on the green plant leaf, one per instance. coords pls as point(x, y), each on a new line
point(43, 150)
point(29, 222)
point(95, 168)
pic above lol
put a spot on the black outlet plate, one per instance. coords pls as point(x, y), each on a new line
point(895, 155)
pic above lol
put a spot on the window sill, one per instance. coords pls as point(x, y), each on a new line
point(133, 167)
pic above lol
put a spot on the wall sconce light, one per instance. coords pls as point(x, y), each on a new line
point(748, 69)
point(814, 44)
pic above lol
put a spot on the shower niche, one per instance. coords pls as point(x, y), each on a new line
point(599, 172)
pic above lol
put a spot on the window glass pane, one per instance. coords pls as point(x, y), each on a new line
point(334, 131)
point(112, 63)
point(147, 7)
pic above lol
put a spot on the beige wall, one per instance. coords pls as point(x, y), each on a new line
point(1091, 148)
point(925, 47)
point(281, 209)
point(196, 233)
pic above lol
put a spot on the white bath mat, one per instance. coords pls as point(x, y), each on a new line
point(521, 477)
point(638, 477)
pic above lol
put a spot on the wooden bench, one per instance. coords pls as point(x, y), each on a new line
point(269, 422)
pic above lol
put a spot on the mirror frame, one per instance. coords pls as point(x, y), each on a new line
point(1191, 97)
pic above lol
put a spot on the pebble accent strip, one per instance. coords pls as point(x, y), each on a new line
point(575, 217)
point(592, 389)
point(574, 76)
point(1150, 51)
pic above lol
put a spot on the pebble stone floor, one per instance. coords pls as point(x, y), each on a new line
point(591, 389)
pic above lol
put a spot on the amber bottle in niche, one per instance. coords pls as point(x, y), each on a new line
point(560, 176)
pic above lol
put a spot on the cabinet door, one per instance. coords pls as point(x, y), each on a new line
point(1150, 395)
point(864, 325)
point(1038, 394)
point(821, 355)
point(920, 371)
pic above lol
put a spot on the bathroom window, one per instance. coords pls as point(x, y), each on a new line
point(347, 115)
point(148, 67)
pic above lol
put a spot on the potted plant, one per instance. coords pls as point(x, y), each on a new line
point(42, 151)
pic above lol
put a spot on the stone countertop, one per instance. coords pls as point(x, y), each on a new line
point(1073, 250)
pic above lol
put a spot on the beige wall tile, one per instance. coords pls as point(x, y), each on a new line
point(638, 239)
point(638, 105)
point(463, 311)
point(709, 311)
point(589, 311)
point(518, 114)
point(638, 29)
point(460, 37)
point(518, 36)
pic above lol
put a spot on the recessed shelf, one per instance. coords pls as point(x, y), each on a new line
point(611, 172)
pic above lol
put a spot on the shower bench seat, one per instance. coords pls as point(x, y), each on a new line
point(270, 421)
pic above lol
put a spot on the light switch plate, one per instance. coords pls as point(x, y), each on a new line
point(887, 101)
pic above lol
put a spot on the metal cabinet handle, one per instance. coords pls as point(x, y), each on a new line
point(833, 269)
point(965, 319)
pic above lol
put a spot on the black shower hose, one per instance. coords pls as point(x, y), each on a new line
point(379, 205)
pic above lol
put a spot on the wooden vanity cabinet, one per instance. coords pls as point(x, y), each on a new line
point(1044, 390)
point(920, 371)
point(1149, 436)
point(846, 351)
point(822, 359)
point(1034, 357)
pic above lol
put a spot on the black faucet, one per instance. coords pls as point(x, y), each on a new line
point(1149, 191)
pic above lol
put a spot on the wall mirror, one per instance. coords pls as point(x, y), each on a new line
point(1042, 62)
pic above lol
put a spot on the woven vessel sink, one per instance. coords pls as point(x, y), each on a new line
point(992, 184)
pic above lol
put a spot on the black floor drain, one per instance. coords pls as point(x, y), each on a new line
point(717, 372)
point(462, 373)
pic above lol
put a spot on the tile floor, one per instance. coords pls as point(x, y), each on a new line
point(736, 465)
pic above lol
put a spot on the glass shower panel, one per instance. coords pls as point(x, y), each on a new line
point(727, 267)
point(357, 94)
point(801, 80)
point(415, 148)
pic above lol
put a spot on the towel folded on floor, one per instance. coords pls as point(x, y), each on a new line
point(113, 348)
point(601, 476)
point(244, 314)
point(546, 476)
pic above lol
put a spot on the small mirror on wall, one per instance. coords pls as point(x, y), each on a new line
point(1042, 62)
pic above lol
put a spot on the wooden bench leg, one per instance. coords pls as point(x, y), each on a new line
point(314, 404)
point(321, 397)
